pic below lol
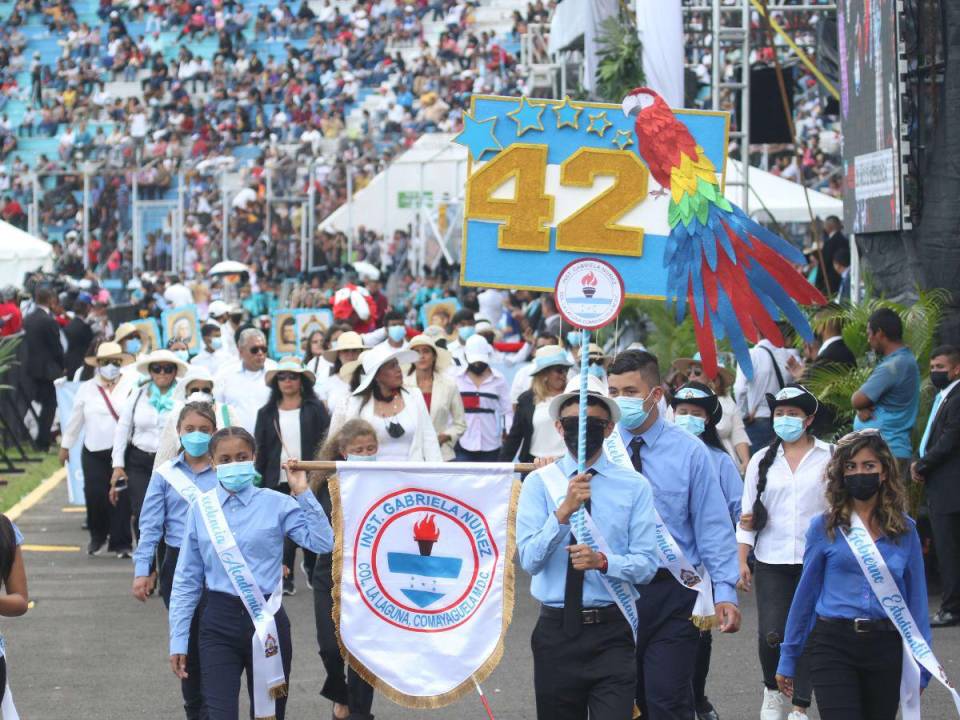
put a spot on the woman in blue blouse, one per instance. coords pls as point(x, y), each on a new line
point(173, 488)
point(854, 651)
point(242, 625)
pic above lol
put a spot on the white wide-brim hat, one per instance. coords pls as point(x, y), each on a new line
point(372, 360)
point(595, 387)
point(165, 357)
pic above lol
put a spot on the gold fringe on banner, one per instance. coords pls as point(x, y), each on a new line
point(704, 622)
point(417, 702)
point(280, 691)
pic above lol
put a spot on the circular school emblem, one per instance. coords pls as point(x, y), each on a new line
point(424, 561)
point(589, 293)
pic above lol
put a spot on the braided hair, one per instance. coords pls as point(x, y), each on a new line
point(760, 515)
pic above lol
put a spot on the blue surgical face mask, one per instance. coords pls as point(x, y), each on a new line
point(573, 338)
point(466, 332)
point(691, 423)
point(216, 343)
point(632, 411)
point(360, 458)
point(788, 428)
point(132, 346)
point(597, 371)
point(237, 475)
point(183, 355)
point(397, 332)
point(195, 443)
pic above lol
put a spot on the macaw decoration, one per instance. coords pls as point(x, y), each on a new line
point(735, 275)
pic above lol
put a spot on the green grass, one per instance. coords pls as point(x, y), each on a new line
point(18, 485)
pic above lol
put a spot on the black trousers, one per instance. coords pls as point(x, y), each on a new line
point(192, 687)
point(104, 519)
point(343, 685)
point(464, 455)
point(775, 586)
point(856, 676)
point(593, 672)
point(45, 393)
point(139, 468)
point(226, 633)
point(946, 539)
point(701, 669)
point(667, 644)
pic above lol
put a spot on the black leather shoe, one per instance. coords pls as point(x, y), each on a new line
point(710, 714)
point(944, 618)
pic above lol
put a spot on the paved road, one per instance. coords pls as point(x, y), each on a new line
point(89, 650)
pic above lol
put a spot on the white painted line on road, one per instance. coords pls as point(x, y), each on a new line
point(37, 494)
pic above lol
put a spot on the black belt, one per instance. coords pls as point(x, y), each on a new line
point(590, 616)
point(861, 625)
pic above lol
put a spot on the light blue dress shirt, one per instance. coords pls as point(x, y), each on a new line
point(689, 498)
point(894, 388)
point(832, 585)
point(260, 519)
point(730, 481)
point(164, 513)
point(622, 509)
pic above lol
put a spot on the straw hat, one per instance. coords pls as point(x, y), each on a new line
point(550, 356)
point(162, 356)
point(346, 341)
point(595, 387)
point(444, 359)
point(372, 360)
point(291, 363)
point(683, 365)
point(109, 351)
point(125, 330)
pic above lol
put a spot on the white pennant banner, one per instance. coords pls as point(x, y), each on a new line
point(424, 557)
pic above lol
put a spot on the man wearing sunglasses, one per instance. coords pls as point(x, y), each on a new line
point(241, 385)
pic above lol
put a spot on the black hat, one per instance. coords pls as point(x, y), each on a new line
point(794, 395)
point(694, 393)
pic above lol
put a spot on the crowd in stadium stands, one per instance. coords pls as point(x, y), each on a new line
point(815, 158)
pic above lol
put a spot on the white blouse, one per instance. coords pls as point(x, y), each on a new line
point(91, 415)
point(792, 500)
point(290, 434)
point(146, 422)
point(546, 441)
point(419, 438)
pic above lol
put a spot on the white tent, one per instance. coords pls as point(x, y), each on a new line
point(772, 195)
point(21, 253)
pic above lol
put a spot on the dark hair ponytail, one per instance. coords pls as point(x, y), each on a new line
point(8, 548)
point(760, 516)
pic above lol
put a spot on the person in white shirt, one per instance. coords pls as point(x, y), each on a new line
point(399, 414)
point(784, 489)
point(219, 313)
point(212, 356)
point(770, 374)
point(464, 326)
point(486, 403)
point(241, 385)
point(177, 294)
point(333, 389)
point(96, 410)
point(137, 435)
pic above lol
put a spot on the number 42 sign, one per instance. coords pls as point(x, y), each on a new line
point(551, 181)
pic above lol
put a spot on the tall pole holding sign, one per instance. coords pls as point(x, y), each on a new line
point(584, 374)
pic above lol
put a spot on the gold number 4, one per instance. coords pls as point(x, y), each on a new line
point(592, 228)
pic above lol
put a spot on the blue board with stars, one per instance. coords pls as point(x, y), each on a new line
point(565, 127)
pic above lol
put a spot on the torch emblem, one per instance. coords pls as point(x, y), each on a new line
point(426, 533)
point(589, 284)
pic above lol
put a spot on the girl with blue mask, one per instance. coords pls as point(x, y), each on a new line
point(697, 410)
point(175, 484)
point(784, 490)
point(258, 520)
point(350, 694)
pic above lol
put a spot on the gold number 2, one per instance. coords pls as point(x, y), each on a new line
point(592, 228)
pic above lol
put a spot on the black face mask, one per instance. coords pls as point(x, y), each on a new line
point(939, 379)
point(862, 486)
point(477, 368)
point(595, 429)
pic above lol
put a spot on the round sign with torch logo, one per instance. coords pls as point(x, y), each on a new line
point(423, 560)
point(589, 293)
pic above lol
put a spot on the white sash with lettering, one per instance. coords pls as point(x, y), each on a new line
point(179, 481)
point(585, 530)
point(671, 556)
point(916, 651)
point(269, 682)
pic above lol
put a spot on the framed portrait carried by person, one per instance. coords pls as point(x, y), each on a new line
point(149, 334)
point(439, 312)
point(283, 332)
point(308, 321)
point(182, 323)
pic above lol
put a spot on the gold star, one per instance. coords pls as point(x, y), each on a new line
point(527, 116)
point(623, 139)
point(598, 123)
point(567, 115)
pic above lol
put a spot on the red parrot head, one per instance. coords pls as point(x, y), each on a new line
point(640, 100)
